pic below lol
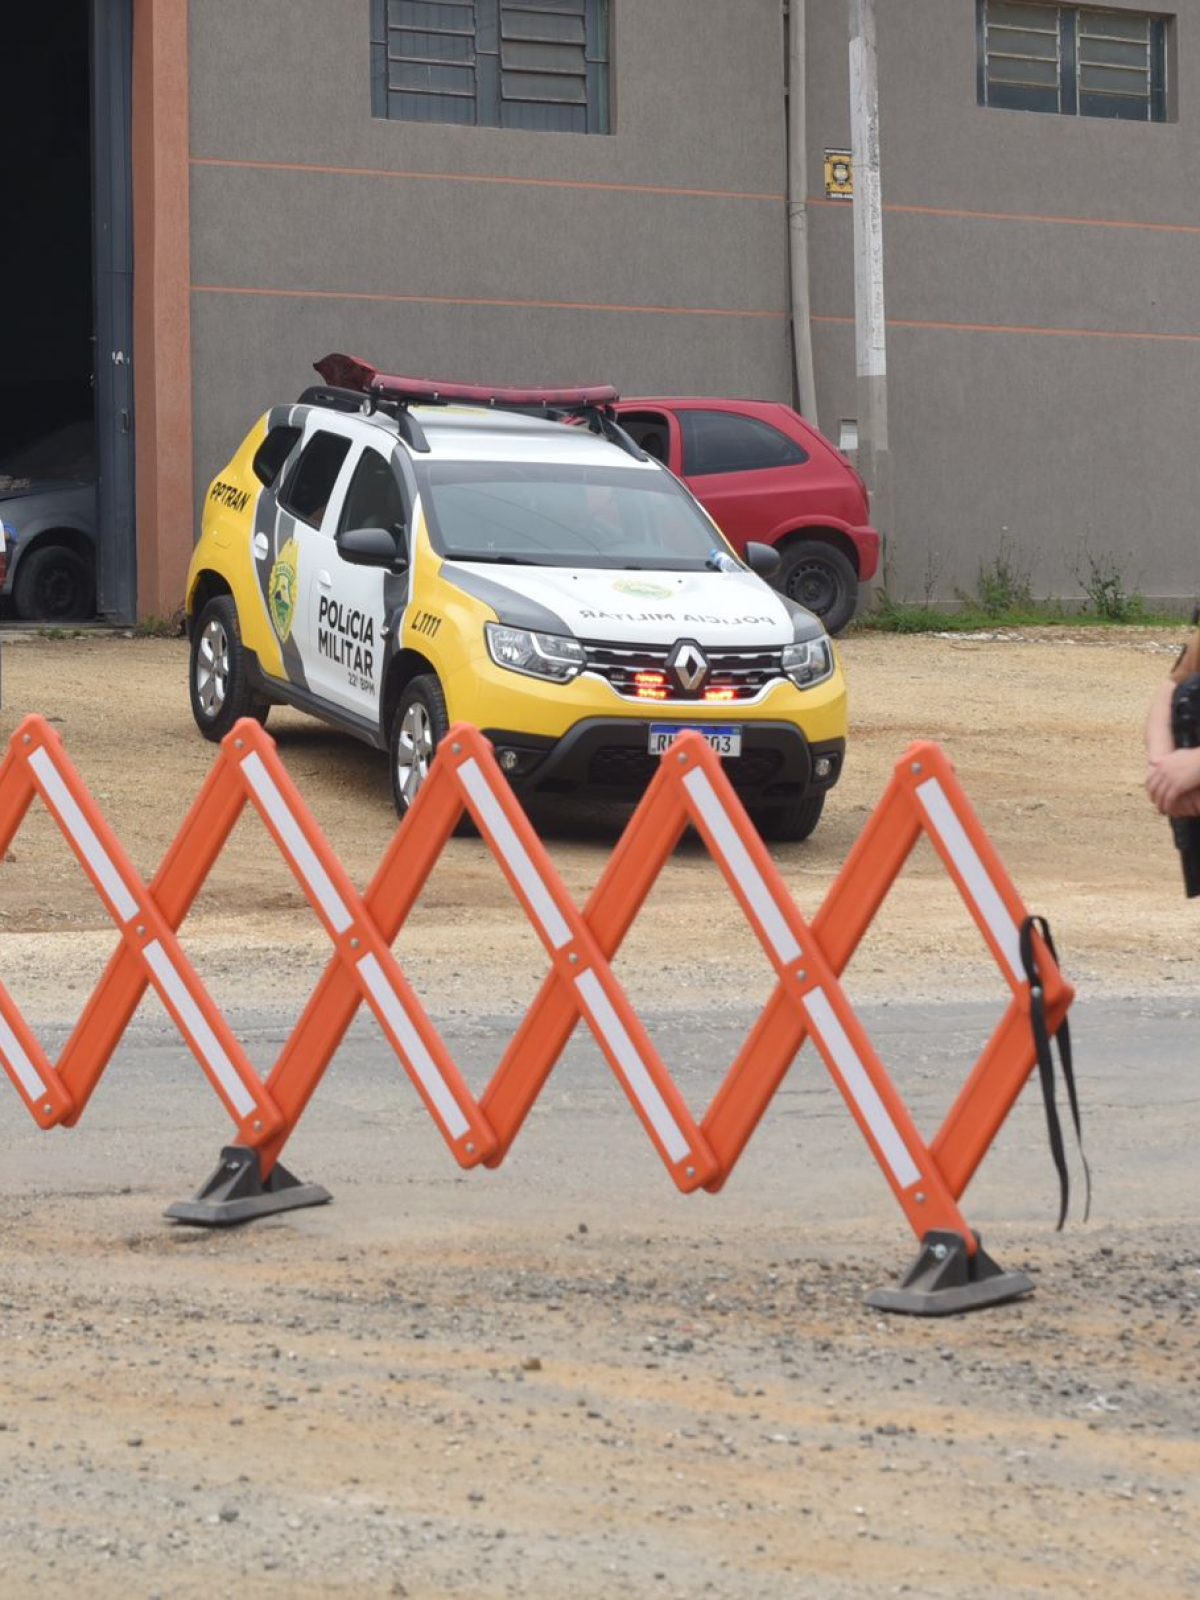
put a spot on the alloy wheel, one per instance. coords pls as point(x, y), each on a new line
point(414, 750)
point(212, 668)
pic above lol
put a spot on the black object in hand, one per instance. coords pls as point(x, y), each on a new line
point(1185, 729)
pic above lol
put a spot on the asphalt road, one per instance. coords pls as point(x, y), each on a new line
point(155, 1126)
point(564, 1379)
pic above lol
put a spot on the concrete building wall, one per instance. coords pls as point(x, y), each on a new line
point(1043, 291)
point(1041, 271)
point(654, 257)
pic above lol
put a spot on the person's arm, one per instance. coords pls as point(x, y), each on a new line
point(1159, 740)
point(1173, 778)
point(1171, 781)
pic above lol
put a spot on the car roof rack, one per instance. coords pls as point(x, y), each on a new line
point(348, 375)
point(336, 399)
point(331, 398)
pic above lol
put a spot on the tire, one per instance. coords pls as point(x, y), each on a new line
point(789, 824)
point(219, 671)
point(54, 584)
point(419, 724)
point(820, 578)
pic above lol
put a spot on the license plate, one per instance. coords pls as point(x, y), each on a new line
point(725, 741)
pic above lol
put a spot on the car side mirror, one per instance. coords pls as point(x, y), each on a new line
point(372, 547)
point(762, 558)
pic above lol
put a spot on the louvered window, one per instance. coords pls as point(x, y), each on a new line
point(541, 64)
point(1079, 61)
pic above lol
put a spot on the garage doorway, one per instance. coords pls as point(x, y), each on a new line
point(66, 285)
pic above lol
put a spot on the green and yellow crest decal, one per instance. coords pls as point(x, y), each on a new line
point(644, 589)
point(283, 589)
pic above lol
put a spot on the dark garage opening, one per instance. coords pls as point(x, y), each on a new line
point(48, 439)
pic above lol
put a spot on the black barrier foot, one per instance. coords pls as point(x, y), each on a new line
point(944, 1280)
point(237, 1193)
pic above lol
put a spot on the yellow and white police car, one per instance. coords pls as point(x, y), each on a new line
point(394, 555)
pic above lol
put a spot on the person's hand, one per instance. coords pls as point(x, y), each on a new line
point(1173, 783)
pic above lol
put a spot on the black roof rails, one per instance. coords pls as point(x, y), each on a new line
point(338, 399)
point(333, 399)
point(394, 394)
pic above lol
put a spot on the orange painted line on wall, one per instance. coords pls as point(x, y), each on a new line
point(1008, 327)
point(466, 300)
point(485, 177)
point(956, 213)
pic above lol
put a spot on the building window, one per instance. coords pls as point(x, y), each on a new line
point(540, 64)
point(1074, 60)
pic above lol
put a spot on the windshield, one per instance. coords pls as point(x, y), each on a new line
point(564, 516)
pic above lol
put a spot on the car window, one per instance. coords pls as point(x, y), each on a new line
point(271, 454)
point(310, 482)
point(719, 441)
point(564, 516)
point(648, 429)
point(374, 498)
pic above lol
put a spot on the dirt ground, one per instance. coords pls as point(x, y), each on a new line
point(669, 1398)
point(1044, 731)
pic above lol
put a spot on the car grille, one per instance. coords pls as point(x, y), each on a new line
point(624, 766)
point(743, 672)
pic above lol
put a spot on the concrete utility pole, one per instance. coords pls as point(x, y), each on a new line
point(797, 204)
point(870, 336)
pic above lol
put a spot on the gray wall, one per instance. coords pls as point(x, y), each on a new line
point(408, 257)
point(475, 253)
point(1080, 433)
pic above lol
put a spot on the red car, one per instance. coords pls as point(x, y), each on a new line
point(762, 473)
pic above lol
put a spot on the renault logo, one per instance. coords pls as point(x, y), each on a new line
point(689, 664)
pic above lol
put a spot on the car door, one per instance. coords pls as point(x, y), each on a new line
point(352, 605)
point(343, 605)
point(312, 497)
point(741, 469)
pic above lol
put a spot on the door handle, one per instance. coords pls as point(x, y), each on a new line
point(260, 546)
point(324, 580)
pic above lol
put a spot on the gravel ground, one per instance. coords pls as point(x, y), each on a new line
point(563, 1379)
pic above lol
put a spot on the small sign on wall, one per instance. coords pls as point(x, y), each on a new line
point(839, 175)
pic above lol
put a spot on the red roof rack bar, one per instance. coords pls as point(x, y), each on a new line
point(348, 372)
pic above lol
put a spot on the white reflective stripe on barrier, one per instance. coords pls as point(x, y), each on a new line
point(25, 1070)
point(504, 837)
point(862, 1091)
point(410, 1041)
point(194, 1024)
point(974, 874)
point(645, 1090)
point(73, 821)
point(304, 857)
point(728, 841)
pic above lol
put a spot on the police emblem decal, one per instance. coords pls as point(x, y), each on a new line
point(282, 589)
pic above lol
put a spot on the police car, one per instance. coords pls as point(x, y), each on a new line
point(394, 555)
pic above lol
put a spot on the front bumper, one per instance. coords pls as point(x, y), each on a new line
point(608, 758)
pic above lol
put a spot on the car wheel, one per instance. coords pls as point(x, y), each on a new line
point(219, 676)
point(789, 824)
point(820, 578)
point(419, 724)
point(54, 584)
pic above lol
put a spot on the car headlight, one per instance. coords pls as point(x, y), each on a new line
point(808, 662)
point(538, 655)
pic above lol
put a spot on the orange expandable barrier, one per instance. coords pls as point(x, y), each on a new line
point(924, 797)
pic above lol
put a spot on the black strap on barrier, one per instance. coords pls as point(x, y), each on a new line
point(1045, 1059)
